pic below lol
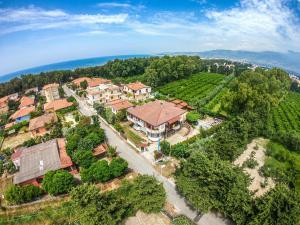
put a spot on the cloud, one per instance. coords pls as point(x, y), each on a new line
point(34, 18)
point(114, 5)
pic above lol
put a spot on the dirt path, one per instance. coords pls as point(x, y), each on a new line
point(258, 146)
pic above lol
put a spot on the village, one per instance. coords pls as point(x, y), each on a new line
point(33, 136)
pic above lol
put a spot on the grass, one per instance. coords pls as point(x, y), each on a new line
point(133, 137)
point(194, 88)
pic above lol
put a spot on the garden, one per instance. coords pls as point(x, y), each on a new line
point(286, 117)
point(194, 88)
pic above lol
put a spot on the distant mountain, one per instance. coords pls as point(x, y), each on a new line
point(289, 60)
point(67, 65)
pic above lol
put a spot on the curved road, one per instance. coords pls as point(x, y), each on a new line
point(139, 164)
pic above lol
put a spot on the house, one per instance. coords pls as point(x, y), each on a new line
point(118, 105)
point(32, 90)
point(4, 105)
point(137, 91)
point(26, 102)
point(13, 97)
point(35, 161)
point(156, 119)
point(92, 82)
point(103, 93)
point(22, 114)
point(51, 92)
point(57, 105)
point(38, 125)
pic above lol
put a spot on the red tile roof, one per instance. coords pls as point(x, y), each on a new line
point(97, 81)
point(4, 99)
point(65, 159)
point(57, 104)
point(26, 101)
point(51, 86)
point(22, 112)
point(176, 101)
point(120, 104)
point(136, 86)
point(41, 121)
point(157, 112)
point(81, 79)
point(184, 104)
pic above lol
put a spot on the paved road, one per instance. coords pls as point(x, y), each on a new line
point(139, 164)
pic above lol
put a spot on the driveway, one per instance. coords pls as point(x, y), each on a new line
point(139, 164)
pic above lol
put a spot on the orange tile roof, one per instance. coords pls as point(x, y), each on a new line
point(4, 99)
point(23, 112)
point(184, 104)
point(97, 81)
point(57, 104)
point(136, 86)
point(65, 159)
point(41, 121)
point(100, 149)
point(26, 101)
point(81, 79)
point(157, 112)
point(120, 104)
point(51, 86)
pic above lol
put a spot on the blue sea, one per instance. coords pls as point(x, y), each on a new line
point(67, 65)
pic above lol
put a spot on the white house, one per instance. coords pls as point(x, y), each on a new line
point(156, 119)
point(137, 91)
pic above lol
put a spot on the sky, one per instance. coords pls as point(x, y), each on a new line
point(39, 32)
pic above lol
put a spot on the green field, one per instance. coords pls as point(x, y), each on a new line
point(286, 117)
point(193, 89)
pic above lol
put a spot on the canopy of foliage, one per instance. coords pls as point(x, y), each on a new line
point(58, 182)
point(22, 194)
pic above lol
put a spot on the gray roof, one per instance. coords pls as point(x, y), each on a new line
point(37, 160)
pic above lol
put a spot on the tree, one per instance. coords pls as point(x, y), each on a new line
point(111, 151)
point(146, 194)
point(58, 182)
point(98, 172)
point(280, 206)
point(121, 115)
point(22, 194)
point(84, 158)
point(215, 184)
point(192, 117)
point(165, 147)
point(84, 84)
point(61, 92)
point(118, 166)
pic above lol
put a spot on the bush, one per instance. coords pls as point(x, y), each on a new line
point(165, 147)
point(118, 166)
point(84, 158)
point(58, 182)
point(182, 220)
point(250, 163)
point(22, 194)
point(192, 117)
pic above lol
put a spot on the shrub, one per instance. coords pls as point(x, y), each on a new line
point(118, 166)
point(192, 117)
point(182, 220)
point(250, 163)
point(22, 194)
point(58, 182)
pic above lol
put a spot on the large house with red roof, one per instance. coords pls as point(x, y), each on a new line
point(35, 161)
point(38, 125)
point(57, 105)
point(4, 105)
point(156, 119)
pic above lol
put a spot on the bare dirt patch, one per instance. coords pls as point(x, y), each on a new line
point(148, 219)
point(14, 141)
point(259, 185)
